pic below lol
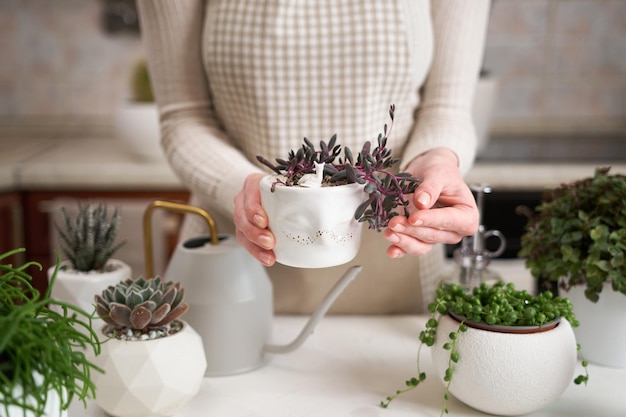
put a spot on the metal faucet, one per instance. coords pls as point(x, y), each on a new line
point(472, 257)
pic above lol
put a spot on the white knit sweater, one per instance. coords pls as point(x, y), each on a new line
point(239, 78)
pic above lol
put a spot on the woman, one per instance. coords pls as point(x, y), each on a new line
point(235, 79)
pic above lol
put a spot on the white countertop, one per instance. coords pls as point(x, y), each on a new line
point(74, 163)
point(108, 163)
point(350, 364)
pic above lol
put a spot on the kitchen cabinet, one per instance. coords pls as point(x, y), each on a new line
point(11, 225)
point(37, 225)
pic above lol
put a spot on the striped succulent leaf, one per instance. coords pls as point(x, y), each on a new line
point(88, 239)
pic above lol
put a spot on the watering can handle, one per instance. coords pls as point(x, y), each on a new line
point(318, 314)
point(172, 207)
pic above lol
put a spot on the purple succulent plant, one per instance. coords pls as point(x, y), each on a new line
point(386, 190)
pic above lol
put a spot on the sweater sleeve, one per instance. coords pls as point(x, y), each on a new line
point(444, 115)
point(196, 146)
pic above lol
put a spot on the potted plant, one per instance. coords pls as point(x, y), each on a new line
point(576, 239)
point(137, 119)
point(316, 199)
point(148, 350)
point(43, 365)
point(497, 331)
point(88, 242)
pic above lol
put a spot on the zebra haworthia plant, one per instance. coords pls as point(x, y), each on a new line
point(88, 240)
point(141, 304)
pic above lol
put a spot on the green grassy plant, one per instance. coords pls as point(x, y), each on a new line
point(41, 349)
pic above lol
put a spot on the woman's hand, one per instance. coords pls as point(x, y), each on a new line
point(251, 222)
point(443, 208)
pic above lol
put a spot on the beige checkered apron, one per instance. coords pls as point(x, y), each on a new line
point(235, 79)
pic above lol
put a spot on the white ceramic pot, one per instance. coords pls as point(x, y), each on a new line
point(52, 407)
point(152, 378)
point(602, 330)
point(137, 126)
point(313, 227)
point(507, 374)
point(79, 288)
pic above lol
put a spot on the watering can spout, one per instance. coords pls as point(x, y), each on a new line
point(318, 314)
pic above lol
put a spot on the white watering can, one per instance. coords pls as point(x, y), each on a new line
point(229, 295)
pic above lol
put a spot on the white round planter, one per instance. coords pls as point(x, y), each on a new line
point(152, 378)
point(602, 330)
point(507, 374)
point(79, 288)
point(313, 227)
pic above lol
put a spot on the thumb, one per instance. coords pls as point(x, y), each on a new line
point(427, 194)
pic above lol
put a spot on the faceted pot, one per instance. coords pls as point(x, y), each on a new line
point(507, 374)
point(314, 227)
point(602, 330)
point(155, 378)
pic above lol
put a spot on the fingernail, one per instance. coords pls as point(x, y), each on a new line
point(423, 199)
point(393, 238)
point(259, 221)
point(417, 222)
point(265, 241)
point(398, 228)
point(265, 258)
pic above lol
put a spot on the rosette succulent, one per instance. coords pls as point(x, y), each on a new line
point(141, 304)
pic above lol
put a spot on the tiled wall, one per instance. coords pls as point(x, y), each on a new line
point(56, 60)
point(561, 64)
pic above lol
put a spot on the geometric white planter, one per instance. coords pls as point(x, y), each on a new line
point(602, 330)
point(79, 288)
point(152, 378)
point(313, 227)
point(507, 374)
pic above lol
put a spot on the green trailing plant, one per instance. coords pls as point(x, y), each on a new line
point(140, 83)
point(142, 304)
point(42, 343)
point(499, 304)
point(88, 239)
point(577, 235)
point(372, 167)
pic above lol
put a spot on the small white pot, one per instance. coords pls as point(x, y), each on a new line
point(602, 330)
point(51, 409)
point(151, 378)
point(313, 227)
point(507, 374)
point(79, 288)
point(137, 126)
